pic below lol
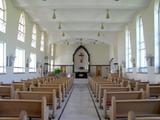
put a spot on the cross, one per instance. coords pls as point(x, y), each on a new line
point(81, 55)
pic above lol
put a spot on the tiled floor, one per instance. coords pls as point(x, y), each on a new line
point(80, 105)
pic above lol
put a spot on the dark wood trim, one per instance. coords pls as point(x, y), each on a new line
point(62, 65)
point(89, 65)
point(100, 65)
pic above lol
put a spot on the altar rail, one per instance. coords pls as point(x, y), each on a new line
point(98, 70)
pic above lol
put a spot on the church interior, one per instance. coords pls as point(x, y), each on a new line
point(80, 60)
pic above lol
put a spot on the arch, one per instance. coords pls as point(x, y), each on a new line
point(83, 48)
point(156, 35)
point(3, 16)
point(21, 28)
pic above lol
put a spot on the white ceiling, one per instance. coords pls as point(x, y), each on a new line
point(82, 18)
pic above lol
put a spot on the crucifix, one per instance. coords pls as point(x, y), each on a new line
point(81, 59)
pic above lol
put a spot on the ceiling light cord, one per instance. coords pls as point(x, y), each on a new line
point(107, 14)
point(99, 34)
point(60, 26)
point(63, 34)
point(54, 14)
point(102, 26)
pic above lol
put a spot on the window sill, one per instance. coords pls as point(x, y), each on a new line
point(142, 72)
point(157, 73)
point(2, 73)
point(32, 72)
point(19, 72)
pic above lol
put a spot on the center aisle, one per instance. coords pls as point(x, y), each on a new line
point(80, 105)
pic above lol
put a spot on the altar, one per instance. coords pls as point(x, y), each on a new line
point(81, 62)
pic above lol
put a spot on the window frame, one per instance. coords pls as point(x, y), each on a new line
point(52, 49)
point(128, 51)
point(4, 58)
point(141, 47)
point(4, 17)
point(34, 36)
point(21, 28)
point(157, 36)
point(33, 69)
point(42, 42)
point(21, 68)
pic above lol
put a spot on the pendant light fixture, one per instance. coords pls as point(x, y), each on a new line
point(54, 14)
point(107, 14)
point(60, 26)
point(81, 41)
point(67, 43)
point(102, 26)
point(99, 34)
point(63, 34)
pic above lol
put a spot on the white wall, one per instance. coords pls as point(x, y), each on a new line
point(99, 55)
point(10, 37)
point(148, 23)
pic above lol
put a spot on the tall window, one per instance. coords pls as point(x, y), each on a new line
point(42, 42)
point(32, 64)
point(34, 36)
point(141, 50)
point(21, 28)
point(51, 65)
point(2, 57)
point(3, 16)
point(128, 51)
point(52, 49)
point(157, 35)
point(19, 63)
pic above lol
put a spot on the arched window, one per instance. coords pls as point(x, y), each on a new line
point(32, 64)
point(3, 16)
point(42, 42)
point(21, 28)
point(52, 49)
point(141, 49)
point(128, 51)
point(34, 36)
point(157, 35)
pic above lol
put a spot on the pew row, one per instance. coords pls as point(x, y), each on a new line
point(109, 89)
point(142, 108)
point(132, 116)
point(152, 91)
point(6, 92)
point(50, 89)
point(50, 98)
point(34, 108)
point(123, 95)
point(22, 116)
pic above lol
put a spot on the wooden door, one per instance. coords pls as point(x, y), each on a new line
point(98, 70)
point(63, 69)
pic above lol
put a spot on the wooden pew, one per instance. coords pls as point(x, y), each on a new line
point(142, 108)
point(104, 85)
point(30, 95)
point(50, 89)
point(34, 108)
point(152, 91)
point(18, 86)
point(141, 85)
point(132, 116)
point(110, 89)
point(123, 95)
point(94, 82)
point(22, 116)
point(56, 85)
point(6, 91)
